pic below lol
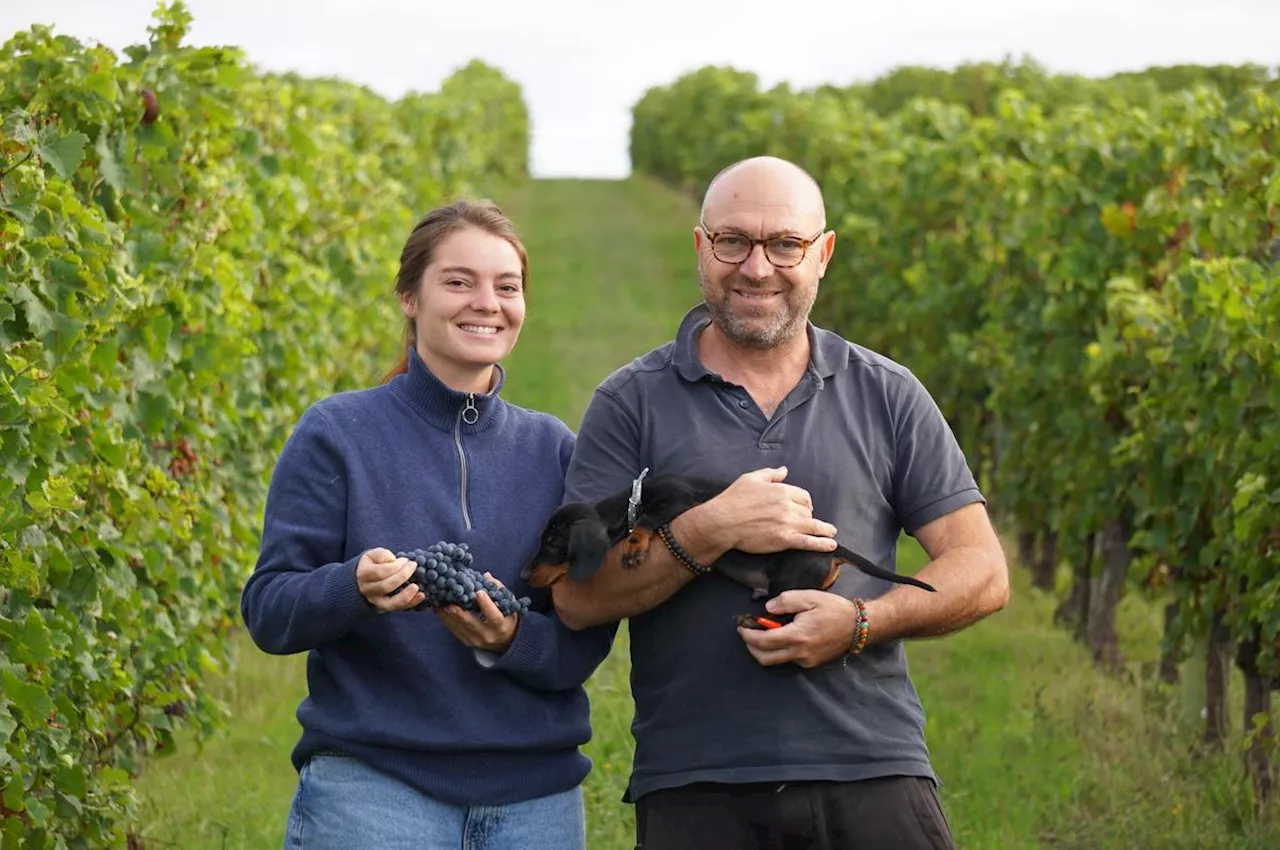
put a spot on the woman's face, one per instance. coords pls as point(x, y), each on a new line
point(469, 307)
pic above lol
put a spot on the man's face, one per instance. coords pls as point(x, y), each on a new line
point(756, 303)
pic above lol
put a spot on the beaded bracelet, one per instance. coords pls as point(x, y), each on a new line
point(664, 531)
point(860, 629)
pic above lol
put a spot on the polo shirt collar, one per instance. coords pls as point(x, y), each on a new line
point(828, 353)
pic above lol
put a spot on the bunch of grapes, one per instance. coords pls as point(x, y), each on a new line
point(445, 576)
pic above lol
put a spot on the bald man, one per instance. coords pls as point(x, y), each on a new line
point(810, 735)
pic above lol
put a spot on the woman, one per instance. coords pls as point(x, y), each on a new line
point(422, 727)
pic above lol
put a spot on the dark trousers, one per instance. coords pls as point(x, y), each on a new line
point(892, 813)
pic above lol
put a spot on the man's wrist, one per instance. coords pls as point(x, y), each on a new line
point(880, 617)
point(678, 552)
point(857, 628)
point(700, 534)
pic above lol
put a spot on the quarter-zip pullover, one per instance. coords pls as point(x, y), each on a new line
point(401, 466)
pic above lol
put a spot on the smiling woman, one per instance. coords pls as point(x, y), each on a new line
point(417, 710)
point(462, 280)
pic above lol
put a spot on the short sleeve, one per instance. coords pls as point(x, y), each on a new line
point(606, 457)
point(931, 475)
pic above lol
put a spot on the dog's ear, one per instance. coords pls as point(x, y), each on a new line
point(588, 545)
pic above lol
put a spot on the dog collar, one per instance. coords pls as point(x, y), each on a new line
point(633, 504)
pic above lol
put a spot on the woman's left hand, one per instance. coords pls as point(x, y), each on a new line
point(494, 633)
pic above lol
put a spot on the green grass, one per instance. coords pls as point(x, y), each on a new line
point(1035, 748)
point(611, 273)
point(1038, 749)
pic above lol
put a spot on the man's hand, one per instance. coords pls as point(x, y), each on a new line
point(378, 573)
point(758, 513)
point(494, 633)
point(821, 630)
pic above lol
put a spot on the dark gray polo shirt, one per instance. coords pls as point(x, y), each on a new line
point(863, 436)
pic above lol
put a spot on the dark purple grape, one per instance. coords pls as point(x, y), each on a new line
point(445, 577)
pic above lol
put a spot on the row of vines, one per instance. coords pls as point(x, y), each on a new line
point(1086, 276)
point(191, 250)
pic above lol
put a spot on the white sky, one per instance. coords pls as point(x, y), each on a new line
point(582, 65)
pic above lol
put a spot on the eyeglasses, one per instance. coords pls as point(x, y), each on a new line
point(783, 252)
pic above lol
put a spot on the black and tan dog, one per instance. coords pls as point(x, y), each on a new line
point(579, 535)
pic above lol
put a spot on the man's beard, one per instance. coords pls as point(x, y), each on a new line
point(746, 332)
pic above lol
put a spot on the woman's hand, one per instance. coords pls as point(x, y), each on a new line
point(494, 633)
point(378, 573)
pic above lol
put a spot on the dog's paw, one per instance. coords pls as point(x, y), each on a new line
point(636, 548)
point(758, 621)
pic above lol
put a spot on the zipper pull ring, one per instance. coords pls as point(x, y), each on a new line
point(470, 414)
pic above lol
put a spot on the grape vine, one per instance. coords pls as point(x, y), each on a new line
point(191, 251)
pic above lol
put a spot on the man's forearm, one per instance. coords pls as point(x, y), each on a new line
point(971, 583)
point(616, 592)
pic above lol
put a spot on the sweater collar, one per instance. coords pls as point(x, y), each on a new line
point(445, 407)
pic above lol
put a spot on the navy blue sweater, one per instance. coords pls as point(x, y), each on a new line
point(400, 466)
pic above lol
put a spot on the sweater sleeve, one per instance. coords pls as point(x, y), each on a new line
point(302, 592)
point(547, 655)
point(544, 653)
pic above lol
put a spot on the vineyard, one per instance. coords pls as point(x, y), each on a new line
point(192, 251)
point(1086, 274)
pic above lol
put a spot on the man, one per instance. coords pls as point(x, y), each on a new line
point(798, 736)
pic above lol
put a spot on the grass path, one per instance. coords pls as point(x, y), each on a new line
point(1034, 747)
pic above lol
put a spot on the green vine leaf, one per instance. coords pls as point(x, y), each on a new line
point(63, 153)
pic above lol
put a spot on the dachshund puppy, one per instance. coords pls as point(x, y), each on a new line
point(579, 535)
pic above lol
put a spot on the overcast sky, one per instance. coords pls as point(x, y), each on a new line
point(582, 65)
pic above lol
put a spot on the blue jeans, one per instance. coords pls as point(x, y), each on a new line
point(344, 804)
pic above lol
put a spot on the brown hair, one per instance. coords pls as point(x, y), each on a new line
point(425, 238)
